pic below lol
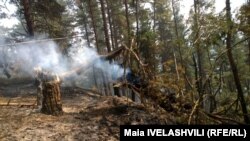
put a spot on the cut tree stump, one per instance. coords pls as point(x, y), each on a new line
point(51, 96)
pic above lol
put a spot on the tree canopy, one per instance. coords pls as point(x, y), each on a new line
point(203, 60)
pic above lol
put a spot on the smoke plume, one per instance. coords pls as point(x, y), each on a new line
point(82, 65)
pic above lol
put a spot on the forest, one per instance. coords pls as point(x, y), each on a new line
point(98, 64)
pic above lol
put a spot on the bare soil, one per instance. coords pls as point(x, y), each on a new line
point(87, 115)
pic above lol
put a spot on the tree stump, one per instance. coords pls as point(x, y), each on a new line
point(51, 96)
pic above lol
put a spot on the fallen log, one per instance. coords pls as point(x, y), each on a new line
point(113, 54)
point(19, 104)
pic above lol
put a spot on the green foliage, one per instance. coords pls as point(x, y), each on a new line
point(177, 54)
point(244, 17)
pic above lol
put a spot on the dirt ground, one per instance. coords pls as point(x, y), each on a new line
point(87, 116)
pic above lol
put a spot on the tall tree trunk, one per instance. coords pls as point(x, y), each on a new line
point(138, 38)
point(177, 38)
point(105, 26)
point(91, 12)
point(249, 49)
point(195, 72)
point(177, 33)
point(115, 35)
point(85, 23)
point(200, 59)
point(129, 36)
point(137, 20)
point(128, 22)
point(28, 17)
point(154, 15)
point(86, 31)
point(232, 63)
point(248, 21)
point(115, 29)
point(111, 24)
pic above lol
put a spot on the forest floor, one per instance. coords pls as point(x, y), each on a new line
point(87, 116)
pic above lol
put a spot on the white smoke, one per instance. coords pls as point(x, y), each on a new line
point(47, 55)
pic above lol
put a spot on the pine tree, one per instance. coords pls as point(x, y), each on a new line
point(232, 62)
